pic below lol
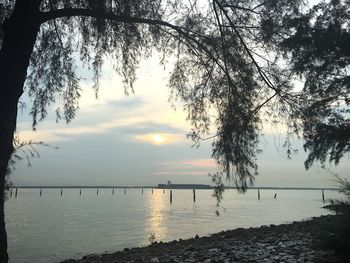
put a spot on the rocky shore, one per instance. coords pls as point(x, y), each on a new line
point(292, 243)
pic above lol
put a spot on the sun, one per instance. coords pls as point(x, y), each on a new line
point(158, 139)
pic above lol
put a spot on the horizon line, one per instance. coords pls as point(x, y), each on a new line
point(171, 187)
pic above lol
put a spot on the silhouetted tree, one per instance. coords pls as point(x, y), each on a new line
point(316, 46)
point(311, 45)
point(228, 57)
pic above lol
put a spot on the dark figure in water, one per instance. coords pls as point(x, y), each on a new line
point(275, 196)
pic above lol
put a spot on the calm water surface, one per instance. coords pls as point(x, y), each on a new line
point(51, 228)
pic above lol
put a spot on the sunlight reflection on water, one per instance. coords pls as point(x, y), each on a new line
point(157, 205)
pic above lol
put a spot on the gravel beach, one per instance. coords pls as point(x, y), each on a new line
point(293, 242)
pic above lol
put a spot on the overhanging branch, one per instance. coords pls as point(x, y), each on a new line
point(76, 12)
point(72, 12)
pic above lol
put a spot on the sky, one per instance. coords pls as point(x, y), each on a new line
point(140, 140)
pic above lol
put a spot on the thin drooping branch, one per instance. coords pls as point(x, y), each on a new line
point(241, 8)
point(258, 108)
point(261, 72)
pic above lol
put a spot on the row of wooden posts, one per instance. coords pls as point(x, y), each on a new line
point(171, 193)
point(97, 190)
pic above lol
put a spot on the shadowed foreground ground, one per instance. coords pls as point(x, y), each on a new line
point(306, 241)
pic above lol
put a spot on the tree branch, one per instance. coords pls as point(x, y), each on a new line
point(241, 8)
point(260, 71)
point(56, 29)
point(71, 12)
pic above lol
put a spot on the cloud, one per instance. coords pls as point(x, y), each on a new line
point(138, 126)
point(128, 102)
point(190, 163)
point(130, 129)
point(43, 135)
point(206, 163)
point(126, 118)
point(194, 173)
point(54, 135)
point(190, 167)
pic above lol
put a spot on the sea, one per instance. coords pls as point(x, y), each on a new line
point(52, 227)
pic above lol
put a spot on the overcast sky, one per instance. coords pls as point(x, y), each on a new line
point(141, 140)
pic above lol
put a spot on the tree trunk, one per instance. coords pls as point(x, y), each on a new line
point(20, 31)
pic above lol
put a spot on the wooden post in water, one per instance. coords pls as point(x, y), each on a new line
point(97, 191)
point(61, 191)
point(113, 191)
point(152, 191)
point(16, 193)
point(11, 192)
point(322, 195)
point(171, 196)
point(125, 191)
point(194, 195)
point(163, 191)
point(41, 191)
point(258, 194)
point(142, 191)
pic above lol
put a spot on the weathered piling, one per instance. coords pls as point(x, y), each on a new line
point(142, 191)
point(322, 195)
point(171, 196)
point(113, 191)
point(97, 191)
point(152, 191)
point(194, 195)
point(125, 191)
point(16, 193)
point(61, 191)
point(41, 191)
point(258, 194)
point(80, 192)
point(163, 191)
point(11, 193)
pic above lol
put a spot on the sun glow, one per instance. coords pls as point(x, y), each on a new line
point(159, 139)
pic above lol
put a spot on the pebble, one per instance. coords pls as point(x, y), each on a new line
point(291, 243)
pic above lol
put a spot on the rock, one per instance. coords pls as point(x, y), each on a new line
point(155, 260)
point(281, 244)
point(214, 250)
point(196, 237)
point(270, 247)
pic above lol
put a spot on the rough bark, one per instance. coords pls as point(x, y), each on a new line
point(20, 31)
